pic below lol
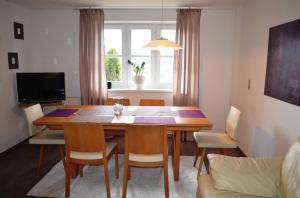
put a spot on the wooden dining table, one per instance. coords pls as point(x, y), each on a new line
point(176, 119)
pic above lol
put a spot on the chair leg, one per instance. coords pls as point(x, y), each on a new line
point(129, 173)
point(201, 162)
point(125, 179)
point(184, 137)
point(62, 155)
point(166, 179)
point(196, 157)
point(116, 163)
point(106, 179)
point(68, 177)
point(41, 157)
point(80, 167)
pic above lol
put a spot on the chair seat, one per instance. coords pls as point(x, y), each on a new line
point(93, 155)
point(48, 136)
point(146, 158)
point(214, 140)
point(206, 190)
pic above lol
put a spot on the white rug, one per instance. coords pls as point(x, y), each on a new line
point(144, 182)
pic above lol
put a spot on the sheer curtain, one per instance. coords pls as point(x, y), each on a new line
point(92, 70)
point(187, 60)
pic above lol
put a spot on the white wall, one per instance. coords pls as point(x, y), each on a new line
point(53, 28)
point(217, 52)
point(268, 126)
point(139, 15)
point(13, 128)
point(55, 48)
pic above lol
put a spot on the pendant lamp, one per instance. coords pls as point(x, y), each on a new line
point(162, 43)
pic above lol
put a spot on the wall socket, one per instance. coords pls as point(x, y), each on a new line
point(249, 84)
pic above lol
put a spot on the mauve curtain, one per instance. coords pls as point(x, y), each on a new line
point(92, 70)
point(187, 60)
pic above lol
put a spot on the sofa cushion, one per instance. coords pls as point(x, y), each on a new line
point(252, 176)
point(206, 189)
point(290, 177)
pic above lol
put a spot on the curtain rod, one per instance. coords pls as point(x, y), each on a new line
point(146, 8)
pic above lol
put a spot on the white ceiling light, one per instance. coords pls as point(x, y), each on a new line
point(162, 43)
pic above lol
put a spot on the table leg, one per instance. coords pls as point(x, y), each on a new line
point(176, 160)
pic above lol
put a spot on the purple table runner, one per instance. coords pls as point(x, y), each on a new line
point(154, 120)
point(191, 114)
point(62, 113)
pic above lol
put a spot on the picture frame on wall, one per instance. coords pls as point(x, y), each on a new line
point(283, 71)
point(13, 60)
point(18, 31)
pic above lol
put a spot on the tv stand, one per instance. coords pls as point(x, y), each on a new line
point(43, 104)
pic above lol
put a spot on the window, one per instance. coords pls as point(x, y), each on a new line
point(113, 54)
point(126, 41)
point(139, 38)
point(167, 58)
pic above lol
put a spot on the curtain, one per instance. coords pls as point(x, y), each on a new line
point(187, 61)
point(92, 70)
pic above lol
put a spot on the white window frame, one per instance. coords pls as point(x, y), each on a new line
point(126, 82)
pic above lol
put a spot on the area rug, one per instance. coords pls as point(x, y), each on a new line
point(144, 182)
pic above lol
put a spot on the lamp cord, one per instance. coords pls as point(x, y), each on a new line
point(162, 14)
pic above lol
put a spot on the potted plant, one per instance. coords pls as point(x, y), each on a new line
point(138, 78)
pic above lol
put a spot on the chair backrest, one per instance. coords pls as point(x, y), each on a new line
point(112, 101)
point(152, 102)
point(232, 122)
point(146, 139)
point(33, 113)
point(290, 174)
point(84, 137)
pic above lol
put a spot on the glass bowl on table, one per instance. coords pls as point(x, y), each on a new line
point(118, 108)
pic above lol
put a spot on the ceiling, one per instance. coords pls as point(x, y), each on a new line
point(123, 3)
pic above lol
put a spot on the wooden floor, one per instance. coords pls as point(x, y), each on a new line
point(18, 172)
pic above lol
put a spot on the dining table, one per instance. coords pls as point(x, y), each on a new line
point(177, 120)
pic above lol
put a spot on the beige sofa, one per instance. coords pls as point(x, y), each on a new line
point(233, 177)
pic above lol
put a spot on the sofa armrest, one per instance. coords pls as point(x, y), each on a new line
point(252, 176)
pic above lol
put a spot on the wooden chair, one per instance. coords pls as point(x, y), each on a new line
point(151, 102)
point(85, 145)
point(156, 102)
point(222, 140)
point(146, 146)
point(112, 101)
point(41, 135)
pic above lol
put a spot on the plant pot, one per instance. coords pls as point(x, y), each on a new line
point(139, 81)
point(108, 85)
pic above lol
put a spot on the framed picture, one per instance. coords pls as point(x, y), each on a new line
point(13, 61)
point(18, 30)
point(283, 64)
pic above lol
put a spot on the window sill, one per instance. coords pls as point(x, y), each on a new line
point(144, 90)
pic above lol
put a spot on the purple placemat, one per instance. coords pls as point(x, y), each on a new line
point(62, 112)
point(191, 114)
point(154, 120)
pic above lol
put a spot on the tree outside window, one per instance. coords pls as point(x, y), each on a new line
point(112, 65)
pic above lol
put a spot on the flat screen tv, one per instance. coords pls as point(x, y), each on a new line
point(41, 87)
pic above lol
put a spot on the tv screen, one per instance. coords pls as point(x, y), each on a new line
point(41, 87)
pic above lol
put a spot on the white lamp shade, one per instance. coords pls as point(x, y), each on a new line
point(162, 43)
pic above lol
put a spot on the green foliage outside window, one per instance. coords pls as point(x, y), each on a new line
point(112, 65)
